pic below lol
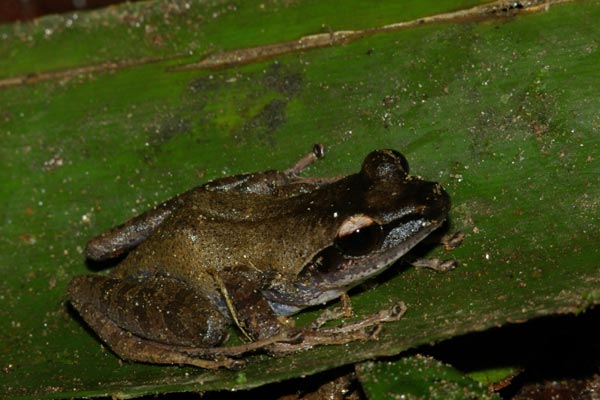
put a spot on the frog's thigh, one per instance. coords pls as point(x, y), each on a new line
point(157, 309)
point(133, 348)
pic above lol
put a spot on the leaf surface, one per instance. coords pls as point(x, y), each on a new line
point(98, 124)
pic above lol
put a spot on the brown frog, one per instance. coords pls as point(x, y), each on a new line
point(250, 250)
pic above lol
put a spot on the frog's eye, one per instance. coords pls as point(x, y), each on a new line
point(359, 235)
point(385, 165)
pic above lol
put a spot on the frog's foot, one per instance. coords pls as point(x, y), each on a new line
point(318, 152)
point(436, 264)
point(344, 310)
point(365, 329)
point(450, 242)
point(302, 339)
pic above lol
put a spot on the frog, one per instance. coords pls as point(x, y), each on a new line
point(248, 252)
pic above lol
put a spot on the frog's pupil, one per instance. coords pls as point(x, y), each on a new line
point(361, 241)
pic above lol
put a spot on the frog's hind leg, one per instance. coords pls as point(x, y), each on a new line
point(121, 239)
point(317, 152)
point(150, 320)
point(286, 182)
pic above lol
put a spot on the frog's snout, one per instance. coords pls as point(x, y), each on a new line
point(436, 202)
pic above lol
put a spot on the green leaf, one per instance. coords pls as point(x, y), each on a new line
point(97, 125)
point(418, 377)
point(492, 376)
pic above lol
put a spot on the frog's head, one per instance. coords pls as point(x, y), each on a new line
point(377, 216)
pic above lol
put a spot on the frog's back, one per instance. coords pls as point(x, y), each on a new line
point(210, 231)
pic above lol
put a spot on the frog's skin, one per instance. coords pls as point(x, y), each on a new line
point(250, 250)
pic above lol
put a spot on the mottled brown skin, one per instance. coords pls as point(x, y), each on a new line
point(250, 250)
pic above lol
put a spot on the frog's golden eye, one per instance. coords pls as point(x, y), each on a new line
point(359, 235)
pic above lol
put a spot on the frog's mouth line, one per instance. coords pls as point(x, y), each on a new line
point(340, 273)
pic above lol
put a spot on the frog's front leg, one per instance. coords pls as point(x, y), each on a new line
point(241, 289)
point(154, 319)
point(366, 328)
point(251, 311)
point(450, 242)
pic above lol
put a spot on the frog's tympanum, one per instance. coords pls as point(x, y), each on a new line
point(250, 250)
